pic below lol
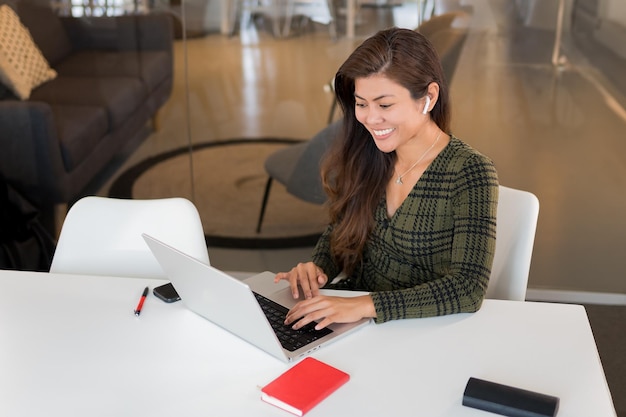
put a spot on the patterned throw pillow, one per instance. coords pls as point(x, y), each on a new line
point(22, 66)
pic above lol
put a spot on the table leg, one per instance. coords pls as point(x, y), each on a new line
point(350, 18)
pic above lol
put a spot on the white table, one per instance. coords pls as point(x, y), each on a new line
point(71, 346)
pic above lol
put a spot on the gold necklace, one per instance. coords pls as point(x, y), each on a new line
point(399, 179)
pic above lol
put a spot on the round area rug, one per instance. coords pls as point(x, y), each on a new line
point(228, 185)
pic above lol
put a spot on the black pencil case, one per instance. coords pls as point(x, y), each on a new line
point(508, 401)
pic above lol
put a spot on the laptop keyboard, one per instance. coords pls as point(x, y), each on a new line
point(290, 339)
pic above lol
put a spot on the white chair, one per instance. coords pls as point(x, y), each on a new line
point(515, 236)
point(244, 12)
point(102, 236)
point(320, 11)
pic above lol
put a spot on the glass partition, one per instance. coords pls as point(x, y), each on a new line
point(194, 108)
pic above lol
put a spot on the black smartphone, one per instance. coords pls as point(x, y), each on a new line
point(166, 292)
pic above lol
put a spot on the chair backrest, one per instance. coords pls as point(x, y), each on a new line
point(515, 236)
point(437, 23)
point(102, 236)
point(305, 181)
point(447, 32)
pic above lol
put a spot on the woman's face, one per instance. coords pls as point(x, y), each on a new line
point(388, 111)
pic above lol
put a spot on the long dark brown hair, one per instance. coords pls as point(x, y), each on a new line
point(355, 172)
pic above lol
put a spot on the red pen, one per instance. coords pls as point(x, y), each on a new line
point(141, 300)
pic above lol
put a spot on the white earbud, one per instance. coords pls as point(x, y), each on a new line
point(427, 105)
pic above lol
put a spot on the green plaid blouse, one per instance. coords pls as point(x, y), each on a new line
point(434, 256)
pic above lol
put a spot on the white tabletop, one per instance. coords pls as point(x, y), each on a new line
point(71, 346)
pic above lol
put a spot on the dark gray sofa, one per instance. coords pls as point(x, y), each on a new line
point(114, 73)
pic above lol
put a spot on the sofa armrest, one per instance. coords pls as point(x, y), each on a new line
point(121, 33)
point(30, 156)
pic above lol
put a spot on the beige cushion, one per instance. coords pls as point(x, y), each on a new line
point(22, 66)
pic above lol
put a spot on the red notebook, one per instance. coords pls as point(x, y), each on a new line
point(303, 386)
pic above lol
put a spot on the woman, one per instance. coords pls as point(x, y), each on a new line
point(412, 207)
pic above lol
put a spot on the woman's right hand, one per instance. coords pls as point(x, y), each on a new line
point(308, 276)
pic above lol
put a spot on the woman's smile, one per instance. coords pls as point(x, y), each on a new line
point(382, 133)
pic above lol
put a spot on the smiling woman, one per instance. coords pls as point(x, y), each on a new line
point(412, 208)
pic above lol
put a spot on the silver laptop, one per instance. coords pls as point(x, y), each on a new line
point(240, 306)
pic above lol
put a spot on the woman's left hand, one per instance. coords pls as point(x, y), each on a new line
point(327, 310)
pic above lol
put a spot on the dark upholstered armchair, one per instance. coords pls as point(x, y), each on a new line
point(113, 74)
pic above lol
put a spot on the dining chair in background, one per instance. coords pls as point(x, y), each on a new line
point(281, 14)
point(298, 168)
point(243, 13)
point(517, 216)
point(319, 11)
point(102, 236)
point(448, 33)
